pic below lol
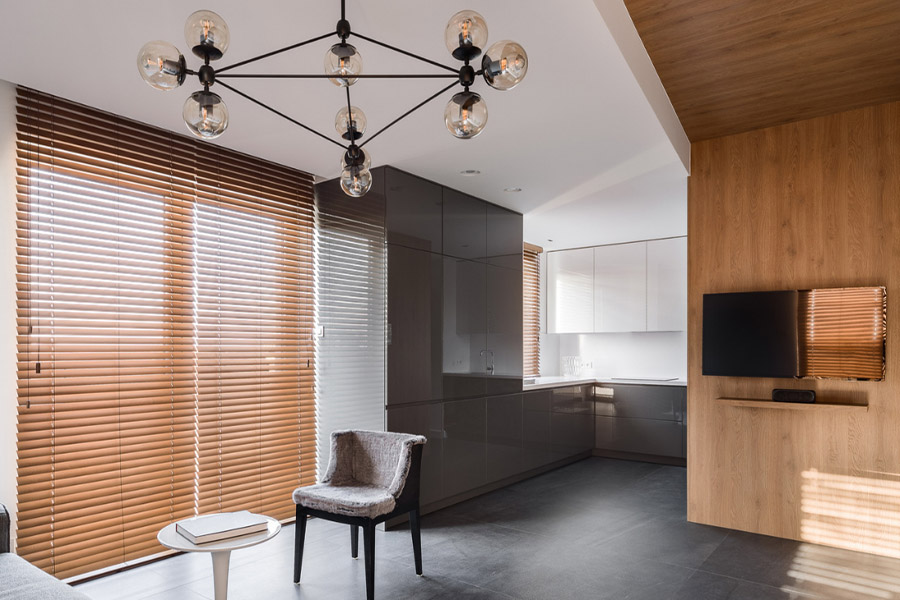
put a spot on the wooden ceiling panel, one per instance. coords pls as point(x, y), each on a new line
point(735, 65)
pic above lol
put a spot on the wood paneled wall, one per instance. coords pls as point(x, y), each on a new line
point(810, 204)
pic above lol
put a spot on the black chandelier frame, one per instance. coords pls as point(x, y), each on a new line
point(464, 76)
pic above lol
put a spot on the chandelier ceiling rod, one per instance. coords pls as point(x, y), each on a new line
point(502, 66)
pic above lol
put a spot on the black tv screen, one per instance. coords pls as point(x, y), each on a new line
point(826, 333)
point(750, 334)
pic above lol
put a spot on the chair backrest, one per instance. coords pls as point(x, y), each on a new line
point(379, 458)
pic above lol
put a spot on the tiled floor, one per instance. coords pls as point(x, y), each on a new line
point(598, 529)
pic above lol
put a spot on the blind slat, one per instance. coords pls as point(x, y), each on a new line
point(164, 314)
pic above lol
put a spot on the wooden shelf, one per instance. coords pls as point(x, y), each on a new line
point(751, 403)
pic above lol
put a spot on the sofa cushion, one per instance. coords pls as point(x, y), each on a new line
point(23, 581)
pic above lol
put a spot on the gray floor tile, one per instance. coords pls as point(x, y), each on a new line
point(600, 529)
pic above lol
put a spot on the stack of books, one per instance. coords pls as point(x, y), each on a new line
point(221, 526)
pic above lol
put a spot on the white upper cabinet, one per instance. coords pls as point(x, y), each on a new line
point(570, 291)
point(620, 287)
point(640, 286)
point(667, 285)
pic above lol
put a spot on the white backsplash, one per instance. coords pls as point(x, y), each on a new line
point(628, 355)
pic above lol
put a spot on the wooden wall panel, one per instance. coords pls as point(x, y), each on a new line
point(810, 204)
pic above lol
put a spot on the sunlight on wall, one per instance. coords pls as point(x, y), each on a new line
point(852, 512)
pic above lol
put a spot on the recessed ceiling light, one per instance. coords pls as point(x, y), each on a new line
point(512, 190)
point(470, 172)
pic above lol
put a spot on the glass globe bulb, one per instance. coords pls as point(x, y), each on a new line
point(161, 65)
point(356, 181)
point(345, 117)
point(466, 34)
point(505, 64)
point(466, 115)
point(343, 60)
point(207, 34)
point(205, 115)
point(366, 160)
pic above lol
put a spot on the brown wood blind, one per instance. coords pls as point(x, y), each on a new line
point(164, 317)
point(531, 316)
point(843, 332)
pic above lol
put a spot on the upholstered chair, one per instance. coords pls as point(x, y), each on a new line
point(372, 476)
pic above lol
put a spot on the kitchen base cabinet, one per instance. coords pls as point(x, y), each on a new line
point(641, 419)
point(639, 436)
point(464, 445)
point(570, 434)
point(503, 450)
point(536, 429)
point(571, 421)
point(424, 420)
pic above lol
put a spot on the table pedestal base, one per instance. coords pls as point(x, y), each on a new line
point(220, 573)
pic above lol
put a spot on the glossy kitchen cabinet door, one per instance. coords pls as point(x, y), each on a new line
point(427, 420)
point(504, 237)
point(415, 323)
point(464, 335)
point(573, 400)
point(504, 452)
point(536, 429)
point(570, 434)
point(665, 403)
point(570, 291)
point(667, 284)
point(640, 436)
point(504, 330)
point(464, 445)
point(465, 226)
point(620, 287)
point(414, 211)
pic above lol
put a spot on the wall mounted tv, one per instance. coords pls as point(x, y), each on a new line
point(833, 333)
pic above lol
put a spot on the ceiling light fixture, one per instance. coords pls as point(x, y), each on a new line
point(502, 66)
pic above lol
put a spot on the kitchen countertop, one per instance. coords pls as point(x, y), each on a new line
point(541, 383)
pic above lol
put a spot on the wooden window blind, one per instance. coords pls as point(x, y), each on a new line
point(531, 317)
point(351, 289)
point(164, 351)
point(842, 332)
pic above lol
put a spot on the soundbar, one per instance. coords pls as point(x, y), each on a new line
point(802, 396)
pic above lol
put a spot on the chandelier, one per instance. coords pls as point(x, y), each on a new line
point(503, 66)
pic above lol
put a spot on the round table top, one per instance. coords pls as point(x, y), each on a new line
point(170, 538)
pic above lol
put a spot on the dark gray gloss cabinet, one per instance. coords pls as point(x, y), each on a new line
point(641, 419)
point(571, 421)
point(504, 237)
point(464, 335)
point(464, 445)
point(503, 322)
point(427, 420)
point(415, 317)
point(536, 429)
point(465, 225)
point(414, 210)
point(504, 453)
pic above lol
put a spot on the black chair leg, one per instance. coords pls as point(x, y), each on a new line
point(415, 530)
point(369, 549)
point(354, 541)
point(299, 538)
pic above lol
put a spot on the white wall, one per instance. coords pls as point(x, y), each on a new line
point(8, 296)
point(629, 355)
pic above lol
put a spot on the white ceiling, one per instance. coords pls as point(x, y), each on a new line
point(579, 135)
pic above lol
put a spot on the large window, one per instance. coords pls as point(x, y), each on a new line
point(165, 294)
point(531, 315)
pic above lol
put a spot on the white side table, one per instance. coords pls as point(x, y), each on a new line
point(220, 551)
